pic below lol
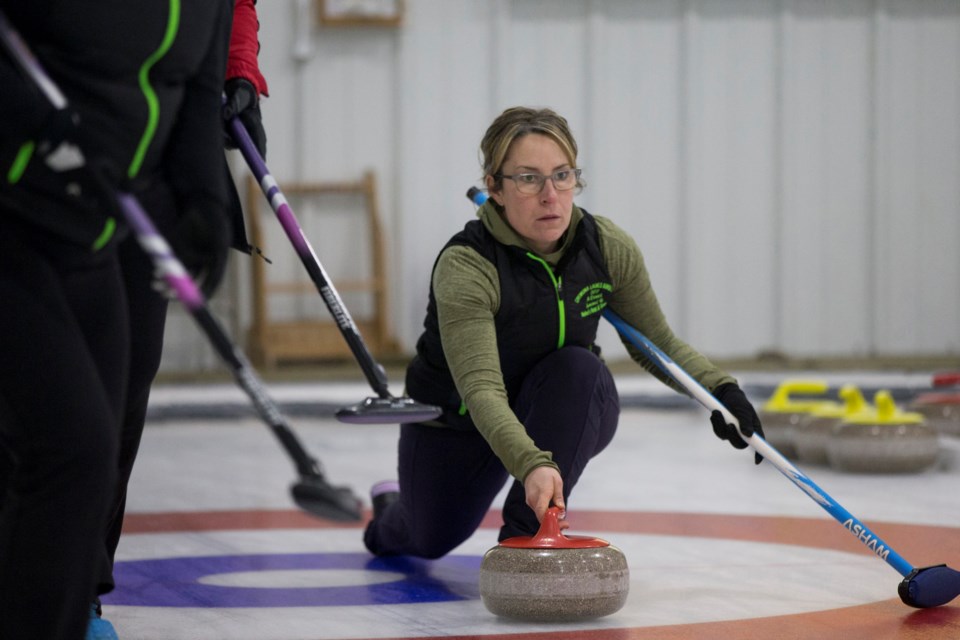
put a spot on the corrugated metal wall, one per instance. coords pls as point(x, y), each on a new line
point(790, 168)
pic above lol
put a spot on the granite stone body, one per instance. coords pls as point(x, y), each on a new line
point(814, 432)
point(940, 410)
point(812, 436)
point(778, 430)
point(551, 577)
point(889, 441)
point(883, 448)
point(782, 413)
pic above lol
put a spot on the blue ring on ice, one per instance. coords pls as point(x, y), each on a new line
point(175, 582)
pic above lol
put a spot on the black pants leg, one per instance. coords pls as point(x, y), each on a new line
point(570, 407)
point(448, 478)
point(148, 313)
point(64, 346)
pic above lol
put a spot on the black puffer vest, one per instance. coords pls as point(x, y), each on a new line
point(541, 310)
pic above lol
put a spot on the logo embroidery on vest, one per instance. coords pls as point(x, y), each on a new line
point(592, 298)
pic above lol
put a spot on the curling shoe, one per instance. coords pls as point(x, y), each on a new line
point(99, 628)
point(382, 495)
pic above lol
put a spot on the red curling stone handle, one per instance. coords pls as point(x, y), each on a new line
point(550, 537)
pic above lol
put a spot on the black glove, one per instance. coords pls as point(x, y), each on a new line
point(93, 176)
point(27, 114)
point(201, 240)
point(243, 101)
point(733, 398)
point(55, 141)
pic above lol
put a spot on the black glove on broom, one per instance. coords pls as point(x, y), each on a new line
point(242, 101)
point(732, 397)
point(201, 240)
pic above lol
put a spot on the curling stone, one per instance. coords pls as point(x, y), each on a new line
point(941, 409)
point(551, 577)
point(781, 414)
point(814, 431)
point(888, 441)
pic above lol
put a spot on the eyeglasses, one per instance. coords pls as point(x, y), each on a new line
point(532, 183)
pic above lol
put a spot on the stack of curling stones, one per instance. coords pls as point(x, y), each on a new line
point(941, 407)
point(791, 401)
point(885, 440)
point(551, 577)
point(855, 436)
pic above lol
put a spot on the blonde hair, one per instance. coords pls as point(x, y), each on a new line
point(516, 122)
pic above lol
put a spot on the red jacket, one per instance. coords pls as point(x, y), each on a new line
point(244, 46)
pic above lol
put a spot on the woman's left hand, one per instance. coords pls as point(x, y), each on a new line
point(544, 486)
point(733, 398)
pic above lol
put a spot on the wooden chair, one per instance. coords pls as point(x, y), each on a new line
point(273, 341)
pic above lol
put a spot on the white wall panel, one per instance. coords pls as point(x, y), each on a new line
point(730, 174)
point(790, 168)
point(826, 180)
point(917, 255)
point(636, 106)
point(542, 56)
point(443, 104)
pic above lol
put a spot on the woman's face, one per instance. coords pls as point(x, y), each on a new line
point(540, 218)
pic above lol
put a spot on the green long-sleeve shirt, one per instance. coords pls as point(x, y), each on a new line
point(467, 292)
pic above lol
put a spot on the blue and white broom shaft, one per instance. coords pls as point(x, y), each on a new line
point(863, 533)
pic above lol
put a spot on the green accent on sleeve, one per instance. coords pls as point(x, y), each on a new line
point(561, 307)
point(463, 408)
point(20, 162)
point(109, 227)
point(153, 105)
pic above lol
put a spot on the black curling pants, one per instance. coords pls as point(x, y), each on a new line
point(63, 369)
point(449, 478)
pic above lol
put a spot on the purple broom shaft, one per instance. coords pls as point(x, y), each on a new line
point(172, 270)
point(269, 185)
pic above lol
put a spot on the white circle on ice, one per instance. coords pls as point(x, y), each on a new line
point(300, 578)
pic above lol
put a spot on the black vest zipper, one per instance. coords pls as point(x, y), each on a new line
point(557, 287)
